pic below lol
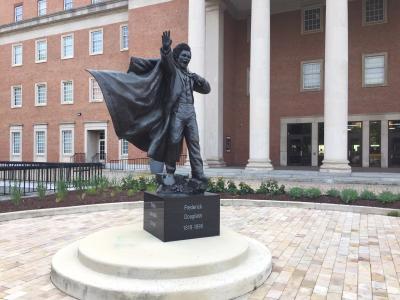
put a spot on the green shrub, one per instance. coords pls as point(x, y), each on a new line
point(394, 213)
point(141, 183)
point(387, 197)
point(103, 183)
point(271, 187)
point(61, 190)
point(151, 185)
point(367, 195)
point(312, 193)
point(244, 189)
point(232, 188)
point(16, 195)
point(128, 182)
point(41, 190)
point(333, 193)
point(92, 191)
point(296, 192)
point(348, 196)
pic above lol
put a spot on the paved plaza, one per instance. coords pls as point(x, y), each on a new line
point(317, 254)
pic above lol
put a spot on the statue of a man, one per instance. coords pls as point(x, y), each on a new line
point(152, 107)
point(183, 120)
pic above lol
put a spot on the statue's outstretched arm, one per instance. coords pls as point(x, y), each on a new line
point(167, 59)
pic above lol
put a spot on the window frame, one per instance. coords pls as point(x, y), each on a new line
point(385, 81)
point(322, 19)
point(121, 38)
point(13, 46)
point(16, 156)
point(64, 128)
point(91, 41)
point(36, 129)
point(62, 46)
point(37, 94)
point(37, 51)
point(38, 8)
point(72, 5)
point(63, 82)
point(364, 14)
point(321, 75)
point(121, 148)
point(21, 5)
point(92, 80)
point(13, 96)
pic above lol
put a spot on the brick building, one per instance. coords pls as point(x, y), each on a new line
point(276, 88)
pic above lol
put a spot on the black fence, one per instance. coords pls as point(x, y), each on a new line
point(27, 176)
point(137, 164)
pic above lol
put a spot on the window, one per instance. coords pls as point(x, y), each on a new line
point(42, 7)
point(67, 92)
point(124, 148)
point(375, 69)
point(96, 42)
point(16, 143)
point(41, 51)
point(374, 11)
point(40, 142)
point(40, 94)
point(67, 46)
point(312, 19)
point(17, 55)
point(311, 74)
point(68, 4)
point(18, 13)
point(16, 96)
point(66, 141)
point(95, 91)
point(124, 37)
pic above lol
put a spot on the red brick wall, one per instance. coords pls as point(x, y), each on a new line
point(52, 72)
point(30, 8)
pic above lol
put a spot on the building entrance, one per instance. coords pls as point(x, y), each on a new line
point(96, 146)
point(394, 143)
point(299, 144)
point(354, 143)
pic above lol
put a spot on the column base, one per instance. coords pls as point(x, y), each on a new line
point(259, 165)
point(216, 163)
point(337, 167)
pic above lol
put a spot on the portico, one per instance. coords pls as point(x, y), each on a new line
point(211, 62)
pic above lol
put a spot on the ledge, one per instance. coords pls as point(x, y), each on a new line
point(65, 15)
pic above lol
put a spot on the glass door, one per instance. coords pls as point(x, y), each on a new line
point(299, 144)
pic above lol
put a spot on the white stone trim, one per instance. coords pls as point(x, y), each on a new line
point(13, 46)
point(67, 25)
point(95, 126)
point(37, 51)
point(121, 48)
point(36, 94)
point(385, 14)
point(321, 75)
point(12, 96)
point(365, 144)
point(16, 156)
point(92, 80)
point(66, 157)
point(91, 52)
point(62, 92)
point(133, 4)
point(386, 71)
point(36, 156)
point(120, 155)
point(62, 45)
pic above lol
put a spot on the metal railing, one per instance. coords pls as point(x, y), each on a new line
point(27, 176)
point(136, 164)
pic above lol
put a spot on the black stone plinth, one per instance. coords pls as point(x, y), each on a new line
point(181, 217)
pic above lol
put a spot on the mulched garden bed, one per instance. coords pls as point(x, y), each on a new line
point(74, 198)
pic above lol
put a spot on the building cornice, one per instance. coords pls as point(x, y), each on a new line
point(67, 15)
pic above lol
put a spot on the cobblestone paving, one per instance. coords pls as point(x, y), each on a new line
point(316, 254)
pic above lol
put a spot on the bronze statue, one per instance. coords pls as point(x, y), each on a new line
point(152, 107)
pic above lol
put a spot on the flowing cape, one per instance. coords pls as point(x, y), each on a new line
point(139, 103)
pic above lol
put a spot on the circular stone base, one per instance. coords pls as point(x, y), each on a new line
point(126, 262)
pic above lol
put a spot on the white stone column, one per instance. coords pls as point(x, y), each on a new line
point(384, 144)
point(214, 104)
point(365, 144)
point(314, 143)
point(197, 42)
point(336, 88)
point(259, 86)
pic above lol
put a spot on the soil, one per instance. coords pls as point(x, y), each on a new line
point(75, 198)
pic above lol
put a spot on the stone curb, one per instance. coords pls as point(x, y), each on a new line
point(47, 212)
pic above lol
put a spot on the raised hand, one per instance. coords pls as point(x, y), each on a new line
point(166, 40)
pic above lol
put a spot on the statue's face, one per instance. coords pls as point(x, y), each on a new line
point(184, 58)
